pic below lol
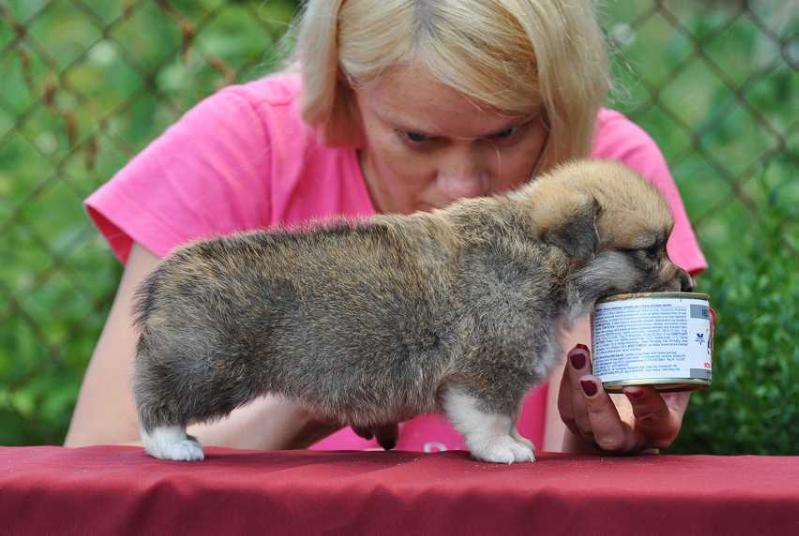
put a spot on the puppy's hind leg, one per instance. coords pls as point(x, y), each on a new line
point(162, 416)
point(491, 436)
point(192, 382)
point(171, 443)
point(162, 434)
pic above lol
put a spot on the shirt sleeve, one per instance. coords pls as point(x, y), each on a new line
point(205, 175)
point(618, 138)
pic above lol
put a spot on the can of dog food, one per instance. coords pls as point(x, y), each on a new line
point(661, 339)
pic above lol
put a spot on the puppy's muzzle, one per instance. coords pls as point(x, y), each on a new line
point(675, 279)
point(686, 281)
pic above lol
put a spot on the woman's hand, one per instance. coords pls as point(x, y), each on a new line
point(642, 418)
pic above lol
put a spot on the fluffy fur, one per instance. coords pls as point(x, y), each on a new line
point(372, 322)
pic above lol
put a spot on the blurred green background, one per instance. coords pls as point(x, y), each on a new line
point(85, 85)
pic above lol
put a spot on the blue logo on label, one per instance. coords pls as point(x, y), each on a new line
point(700, 338)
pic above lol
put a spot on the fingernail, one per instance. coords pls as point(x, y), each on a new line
point(634, 393)
point(589, 388)
point(577, 360)
point(582, 347)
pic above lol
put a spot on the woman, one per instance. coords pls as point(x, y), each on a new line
point(399, 105)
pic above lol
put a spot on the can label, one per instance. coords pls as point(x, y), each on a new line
point(652, 338)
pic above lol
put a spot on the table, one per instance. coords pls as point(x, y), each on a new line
point(120, 490)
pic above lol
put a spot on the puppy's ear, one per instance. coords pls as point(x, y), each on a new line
point(570, 223)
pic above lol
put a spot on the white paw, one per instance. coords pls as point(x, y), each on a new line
point(172, 443)
point(188, 450)
point(521, 439)
point(504, 449)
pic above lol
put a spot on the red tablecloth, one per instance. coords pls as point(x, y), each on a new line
point(120, 490)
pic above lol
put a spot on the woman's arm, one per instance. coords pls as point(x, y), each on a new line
point(106, 413)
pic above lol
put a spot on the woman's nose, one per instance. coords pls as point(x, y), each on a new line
point(463, 177)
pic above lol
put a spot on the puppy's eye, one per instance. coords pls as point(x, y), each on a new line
point(645, 258)
point(653, 251)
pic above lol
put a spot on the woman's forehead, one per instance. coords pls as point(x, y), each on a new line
point(410, 98)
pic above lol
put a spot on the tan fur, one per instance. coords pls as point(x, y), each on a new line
point(634, 210)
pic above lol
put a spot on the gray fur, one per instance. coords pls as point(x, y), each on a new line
point(368, 322)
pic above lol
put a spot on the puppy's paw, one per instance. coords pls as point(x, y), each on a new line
point(504, 449)
point(172, 443)
point(491, 436)
point(188, 450)
point(521, 439)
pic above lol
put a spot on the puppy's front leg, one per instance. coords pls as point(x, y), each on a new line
point(491, 436)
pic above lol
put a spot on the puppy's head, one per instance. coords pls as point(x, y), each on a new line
point(612, 223)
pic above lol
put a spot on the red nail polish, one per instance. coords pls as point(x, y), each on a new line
point(582, 347)
point(577, 360)
point(588, 387)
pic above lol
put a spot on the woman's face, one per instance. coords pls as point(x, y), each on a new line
point(426, 145)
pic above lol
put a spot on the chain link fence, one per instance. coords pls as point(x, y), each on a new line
point(85, 85)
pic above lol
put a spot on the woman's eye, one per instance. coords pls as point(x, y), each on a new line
point(503, 134)
point(508, 135)
point(415, 137)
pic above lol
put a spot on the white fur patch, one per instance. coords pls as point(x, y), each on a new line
point(172, 443)
point(490, 437)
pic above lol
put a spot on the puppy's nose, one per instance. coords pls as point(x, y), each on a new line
point(686, 281)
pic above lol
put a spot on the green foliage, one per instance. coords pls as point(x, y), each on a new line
point(753, 404)
point(725, 120)
point(116, 75)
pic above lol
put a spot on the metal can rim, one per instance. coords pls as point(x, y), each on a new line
point(661, 384)
point(623, 383)
point(656, 296)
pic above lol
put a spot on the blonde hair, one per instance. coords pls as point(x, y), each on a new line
point(516, 56)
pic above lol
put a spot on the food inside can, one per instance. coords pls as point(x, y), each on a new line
point(662, 339)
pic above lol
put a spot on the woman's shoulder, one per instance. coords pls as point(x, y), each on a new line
point(252, 110)
point(308, 178)
point(274, 101)
point(616, 136)
point(275, 89)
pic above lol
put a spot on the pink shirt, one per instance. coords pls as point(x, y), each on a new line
point(243, 159)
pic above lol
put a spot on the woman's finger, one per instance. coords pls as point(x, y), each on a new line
point(610, 432)
point(565, 400)
point(579, 364)
point(654, 419)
